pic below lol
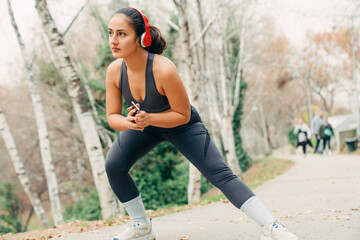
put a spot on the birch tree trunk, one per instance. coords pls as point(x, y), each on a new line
point(102, 133)
point(44, 142)
point(203, 56)
point(21, 172)
point(228, 106)
point(80, 163)
point(192, 85)
point(87, 125)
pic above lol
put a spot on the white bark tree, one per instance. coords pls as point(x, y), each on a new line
point(87, 124)
point(193, 86)
point(21, 171)
point(100, 128)
point(226, 79)
point(43, 135)
point(208, 56)
point(205, 69)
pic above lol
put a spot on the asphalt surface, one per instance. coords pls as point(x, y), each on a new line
point(319, 199)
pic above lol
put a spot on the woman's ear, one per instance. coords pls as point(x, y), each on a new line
point(138, 41)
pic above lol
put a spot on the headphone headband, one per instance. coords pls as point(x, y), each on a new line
point(145, 38)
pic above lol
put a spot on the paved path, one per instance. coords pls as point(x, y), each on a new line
point(320, 195)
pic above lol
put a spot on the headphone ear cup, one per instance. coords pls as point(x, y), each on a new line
point(145, 40)
point(142, 40)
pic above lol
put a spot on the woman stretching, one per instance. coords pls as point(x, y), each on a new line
point(142, 75)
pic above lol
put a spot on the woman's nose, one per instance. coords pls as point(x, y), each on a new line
point(113, 40)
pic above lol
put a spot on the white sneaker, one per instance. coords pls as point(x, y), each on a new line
point(276, 231)
point(137, 231)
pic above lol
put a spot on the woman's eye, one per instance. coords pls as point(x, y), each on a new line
point(110, 33)
point(122, 34)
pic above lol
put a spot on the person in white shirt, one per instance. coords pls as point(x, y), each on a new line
point(303, 135)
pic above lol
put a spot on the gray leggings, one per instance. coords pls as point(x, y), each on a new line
point(191, 139)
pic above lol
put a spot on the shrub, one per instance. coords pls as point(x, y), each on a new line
point(87, 208)
point(291, 135)
point(9, 209)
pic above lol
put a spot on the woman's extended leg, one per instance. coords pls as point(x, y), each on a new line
point(196, 145)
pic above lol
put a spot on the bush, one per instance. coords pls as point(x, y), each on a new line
point(162, 177)
point(87, 208)
point(291, 135)
point(9, 209)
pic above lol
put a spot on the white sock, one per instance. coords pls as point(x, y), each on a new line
point(136, 210)
point(257, 211)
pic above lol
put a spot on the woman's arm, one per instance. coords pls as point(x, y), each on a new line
point(168, 79)
point(114, 101)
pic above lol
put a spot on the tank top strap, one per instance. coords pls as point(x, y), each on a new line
point(123, 75)
point(150, 81)
point(151, 56)
point(149, 65)
point(124, 83)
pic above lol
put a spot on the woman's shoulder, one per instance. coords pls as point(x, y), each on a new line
point(113, 71)
point(115, 66)
point(163, 66)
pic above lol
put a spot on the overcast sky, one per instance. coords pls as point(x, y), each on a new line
point(293, 17)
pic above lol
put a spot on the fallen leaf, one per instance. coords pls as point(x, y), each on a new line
point(237, 219)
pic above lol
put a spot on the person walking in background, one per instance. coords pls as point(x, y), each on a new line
point(303, 135)
point(315, 126)
point(159, 110)
point(326, 132)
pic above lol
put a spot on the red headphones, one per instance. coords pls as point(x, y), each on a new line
point(145, 39)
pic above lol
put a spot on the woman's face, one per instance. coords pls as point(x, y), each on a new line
point(123, 40)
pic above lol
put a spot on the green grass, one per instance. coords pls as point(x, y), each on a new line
point(260, 172)
point(265, 170)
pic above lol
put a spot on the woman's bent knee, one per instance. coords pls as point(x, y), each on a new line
point(115, 163)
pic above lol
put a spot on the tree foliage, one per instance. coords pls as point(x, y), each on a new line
point(87, 208)
point(9, 209)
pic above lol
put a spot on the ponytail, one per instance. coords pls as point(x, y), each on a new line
point(158, 43)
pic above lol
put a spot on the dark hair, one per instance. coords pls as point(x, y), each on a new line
point(158, 43)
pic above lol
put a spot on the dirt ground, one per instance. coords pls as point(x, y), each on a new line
point(85, 226)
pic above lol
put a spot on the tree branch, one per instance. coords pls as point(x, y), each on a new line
point(76, 16)
point(171, 23)
point(205, 29)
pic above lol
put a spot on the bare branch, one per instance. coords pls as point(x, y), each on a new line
point(171, 23)
point(76, 16)
point(205, 29)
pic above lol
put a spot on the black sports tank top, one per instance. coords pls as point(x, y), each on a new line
point(153, 102)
